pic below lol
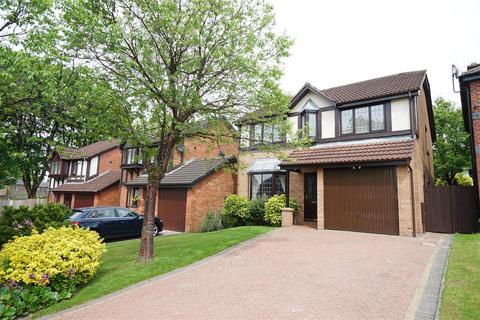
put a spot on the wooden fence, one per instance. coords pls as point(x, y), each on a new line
point(451, 209)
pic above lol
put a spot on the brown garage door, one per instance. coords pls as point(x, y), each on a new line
point(172, 208)
point(83, 200)
point(362, 200)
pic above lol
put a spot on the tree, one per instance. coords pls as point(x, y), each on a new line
point(44, 104)
point(451, 150)
point(9, 171)
point(185, 66)
point(19, 17)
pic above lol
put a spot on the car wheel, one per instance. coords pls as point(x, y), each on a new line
point(156, 230)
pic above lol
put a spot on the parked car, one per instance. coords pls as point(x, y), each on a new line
point(112, 222)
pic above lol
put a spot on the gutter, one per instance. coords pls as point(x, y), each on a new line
point(412, 199)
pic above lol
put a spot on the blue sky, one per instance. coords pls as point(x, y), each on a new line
point(338, 42)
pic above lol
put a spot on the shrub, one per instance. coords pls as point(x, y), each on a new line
point(21, 221)
point(215, 220)
point(236, 210)
point(257, 212)
point(61, 258)
point(273, 209)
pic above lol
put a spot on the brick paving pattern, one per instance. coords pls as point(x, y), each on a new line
point(292, 273)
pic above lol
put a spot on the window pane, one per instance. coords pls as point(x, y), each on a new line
point(312, 124)
point(280, 184)
point(276, 134)
point(261, 185)
point(267, 133)
point(378, 118)
point(347, 122)
point(362, 120)
point(244, 136)
point(258, 133)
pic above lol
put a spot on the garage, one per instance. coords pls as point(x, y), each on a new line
point(361, 199)
point(83, 200)
point(172, 207)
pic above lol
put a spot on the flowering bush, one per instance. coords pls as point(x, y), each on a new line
point(273, 209)
point(59, 258)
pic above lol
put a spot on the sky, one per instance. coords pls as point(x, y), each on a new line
point(338, 42)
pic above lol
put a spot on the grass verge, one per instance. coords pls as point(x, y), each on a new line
point(461, 293)
point(120, 269)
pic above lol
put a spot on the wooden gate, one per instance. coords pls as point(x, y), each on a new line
point(450, 209)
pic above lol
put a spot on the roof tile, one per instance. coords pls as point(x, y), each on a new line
point(386, 150)
point(95, 185)
point(87, 151)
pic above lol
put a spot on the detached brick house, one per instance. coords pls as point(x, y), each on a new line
point(88, 176)
point(197, 182)
point(370, 159)
point(470, 97)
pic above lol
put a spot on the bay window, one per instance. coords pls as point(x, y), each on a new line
point(264, 185)
point(362, 120)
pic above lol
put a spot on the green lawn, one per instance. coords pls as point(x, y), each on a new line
point(461, 295)
point(120, 269)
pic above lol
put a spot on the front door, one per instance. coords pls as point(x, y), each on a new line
point(67, 200)
point(310, 198)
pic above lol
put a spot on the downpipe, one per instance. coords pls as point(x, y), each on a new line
point(412, 199)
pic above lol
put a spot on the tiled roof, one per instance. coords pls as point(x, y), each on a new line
point(186, 175)
point(87, 151)
point(473, 70)
point(97, 184)
point(387, 149)
point(376, 88)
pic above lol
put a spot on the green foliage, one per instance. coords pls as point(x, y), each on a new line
point(215, 220)
point(273, 209)
point(236, 210)
point(39, 270)
point(9, 171)
point(16, 300)
point(451, 151)
point(44, 104)
point(21, 221)
point(257, 212)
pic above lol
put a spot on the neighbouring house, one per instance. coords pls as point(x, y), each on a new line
point(470, 98)
point(198, 181)
point(369, 162)
point(17, 191)
point(88, 176)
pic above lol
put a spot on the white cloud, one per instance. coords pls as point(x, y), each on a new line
point(338, 42)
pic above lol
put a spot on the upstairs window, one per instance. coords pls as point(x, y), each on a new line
point(133, 156)
point(260, 134)
point(55, 167)
point(363, 120)
point(309, 118)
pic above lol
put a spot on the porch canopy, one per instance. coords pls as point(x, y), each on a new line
point(265, 165)
point(366, 152)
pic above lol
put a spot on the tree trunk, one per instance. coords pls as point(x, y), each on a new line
point(146, 252)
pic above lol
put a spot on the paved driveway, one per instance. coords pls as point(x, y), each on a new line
point(290, 273)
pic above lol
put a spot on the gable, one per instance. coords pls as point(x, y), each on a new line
point(310, 99)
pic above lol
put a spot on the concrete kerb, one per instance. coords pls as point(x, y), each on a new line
point(162, 276)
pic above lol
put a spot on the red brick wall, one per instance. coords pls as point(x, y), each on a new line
point(475, 105)
point(110, 160)
point(208, 194)
point(204, 149)
point(109, 196)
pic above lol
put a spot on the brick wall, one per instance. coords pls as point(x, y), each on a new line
point(108, 197)
point(110, 160)
point(207, 195)
point(404, 201)
point(204, 149)
point(474, 88)
point(320, 202)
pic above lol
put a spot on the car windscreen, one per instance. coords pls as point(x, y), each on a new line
point(76, 214)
